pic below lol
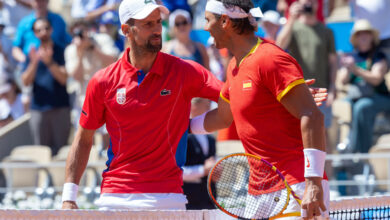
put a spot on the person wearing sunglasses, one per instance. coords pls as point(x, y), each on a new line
point(182, 46)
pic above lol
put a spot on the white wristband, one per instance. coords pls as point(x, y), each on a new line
point(197, 124)
point(314, 162)
point(69, 193)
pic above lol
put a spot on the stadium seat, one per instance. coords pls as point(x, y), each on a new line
point(30, 175)
point(229, 147)
point(381, 165)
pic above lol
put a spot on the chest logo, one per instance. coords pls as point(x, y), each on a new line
point(121, 96)
point(247, 85)
point(165, 92)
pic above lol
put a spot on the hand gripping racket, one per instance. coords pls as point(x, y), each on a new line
point(249, 187)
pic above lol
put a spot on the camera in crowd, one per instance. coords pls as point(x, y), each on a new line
point(82, 35)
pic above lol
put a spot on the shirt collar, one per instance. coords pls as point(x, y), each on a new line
point(157, 67)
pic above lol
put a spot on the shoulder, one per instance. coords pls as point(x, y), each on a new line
point(55, 18)
point(27, 20)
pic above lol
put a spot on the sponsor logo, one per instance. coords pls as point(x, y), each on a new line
point(247, 85)
point(82, 111)
point(165, 92)
point(308, 162)
point(121, 96)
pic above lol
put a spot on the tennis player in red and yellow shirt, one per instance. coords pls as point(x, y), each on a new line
point(275, 114)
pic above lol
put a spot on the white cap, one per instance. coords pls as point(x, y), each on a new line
point(272, 17)
point(177, 12)
point(138, 9)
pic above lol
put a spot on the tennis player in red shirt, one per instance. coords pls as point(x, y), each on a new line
point(144, 99)
point(275, 114)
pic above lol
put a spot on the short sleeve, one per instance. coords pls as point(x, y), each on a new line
point(92, 115)
point(282, 74)
point(199, 82)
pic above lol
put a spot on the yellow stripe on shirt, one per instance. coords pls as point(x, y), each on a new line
point(289, 87)
point(259, 41)
point(223, 97)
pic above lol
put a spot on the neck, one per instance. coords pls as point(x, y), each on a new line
point(308, 19)
point(241, 45)
point(184, 39)
point(141, 59)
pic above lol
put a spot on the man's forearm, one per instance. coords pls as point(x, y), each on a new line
point(313, 130)
point(77, 159)
point(58, 73)
point(28, 75)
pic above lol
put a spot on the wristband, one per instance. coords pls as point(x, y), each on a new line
point(197, 125)
point(314, 162)
point(69, 193)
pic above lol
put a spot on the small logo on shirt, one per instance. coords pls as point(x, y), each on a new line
point(308, 162)
point(121, 96)
point(247, 85)
point(82, 111)
point(165, 92)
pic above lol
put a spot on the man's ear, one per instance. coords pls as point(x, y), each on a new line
point(125, 29)
point(225, 21)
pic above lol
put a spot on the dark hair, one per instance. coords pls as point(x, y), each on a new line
point(41, 19)
point(241, 25)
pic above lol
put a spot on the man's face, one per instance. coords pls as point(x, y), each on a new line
point(42, 30)
point(313, 4)
point(40, 4)
point(145, 34)
point(213, 25)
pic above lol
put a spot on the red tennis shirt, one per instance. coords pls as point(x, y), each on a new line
point(254, 90)
point(147, 120)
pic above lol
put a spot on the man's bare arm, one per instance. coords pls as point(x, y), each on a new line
point(299, 102)
point(77, 160)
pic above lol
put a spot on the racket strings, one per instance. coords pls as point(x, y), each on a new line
point(249, 188)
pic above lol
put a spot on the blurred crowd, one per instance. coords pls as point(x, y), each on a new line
point(46, 63)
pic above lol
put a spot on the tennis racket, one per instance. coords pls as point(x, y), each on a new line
point(246, 186)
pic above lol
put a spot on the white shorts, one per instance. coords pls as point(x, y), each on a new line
point(141, 201)
point(293, 205)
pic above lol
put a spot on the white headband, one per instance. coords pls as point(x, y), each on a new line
point(218, 8)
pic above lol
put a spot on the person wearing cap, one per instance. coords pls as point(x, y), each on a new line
point(267, 97)
point(364, 70)
point(144, 99)
point(271, 23)
point(182, 46)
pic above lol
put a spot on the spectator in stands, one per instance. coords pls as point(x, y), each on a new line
point(182, 45)
point(377, 13)
point(312, 44)
point(172, 5)
point(94, 9)
point(12, 104)
point(44, 69)
point(7, 63)
point(200, 159)
point(87, 53)
point(25, 38)
point(11, 12)
point(271, 24)
point(283, 7)
point(364, 71)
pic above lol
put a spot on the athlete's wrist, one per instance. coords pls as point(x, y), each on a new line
point(314, 162)
point(69, 192)
point(197, 124)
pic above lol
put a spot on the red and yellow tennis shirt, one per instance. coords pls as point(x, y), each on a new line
point(254, 89)
point(147, 119)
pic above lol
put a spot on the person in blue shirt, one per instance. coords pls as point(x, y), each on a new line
point(25, 38)
point(44, 70)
